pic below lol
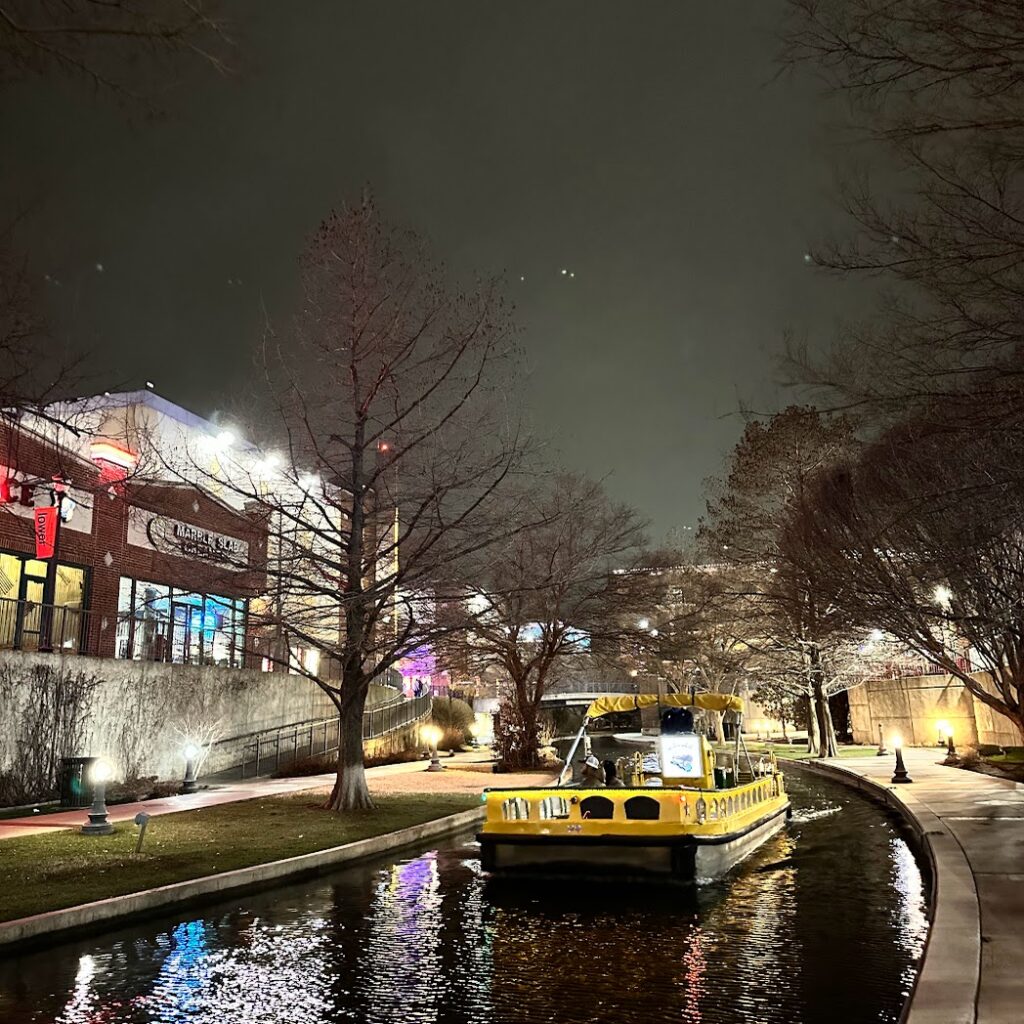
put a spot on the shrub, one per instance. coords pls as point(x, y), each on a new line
point(454, 717)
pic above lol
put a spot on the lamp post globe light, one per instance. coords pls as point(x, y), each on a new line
point(900, 775)
point(431, 735)
point(98, 824)
point(191, 755)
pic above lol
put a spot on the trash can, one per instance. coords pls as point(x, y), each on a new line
point(75, 785)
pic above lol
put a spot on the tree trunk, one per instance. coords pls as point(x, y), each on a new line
point(828, 731)
point(350, 792)
point(813, 733)
point(782, 719)
point(719, 727)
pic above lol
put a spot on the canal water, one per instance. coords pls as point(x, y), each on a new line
point(823, 925)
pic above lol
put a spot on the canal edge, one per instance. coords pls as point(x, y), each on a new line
point(946, 988)
point(55, 926)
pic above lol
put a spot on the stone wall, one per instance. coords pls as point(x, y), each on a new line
point(915, 705)
point(134, 713)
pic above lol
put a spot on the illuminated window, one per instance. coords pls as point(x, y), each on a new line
point(161, 623)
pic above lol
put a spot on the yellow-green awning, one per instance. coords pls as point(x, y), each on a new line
point(628, 702)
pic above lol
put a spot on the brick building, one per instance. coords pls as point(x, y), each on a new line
point(148, 567)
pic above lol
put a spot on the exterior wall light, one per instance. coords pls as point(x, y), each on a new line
point(99, 825)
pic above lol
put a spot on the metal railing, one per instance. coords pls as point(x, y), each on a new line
point(266, 750)
point(22, 625)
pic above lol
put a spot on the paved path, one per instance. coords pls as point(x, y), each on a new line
point(408, 777)
point(973, 971)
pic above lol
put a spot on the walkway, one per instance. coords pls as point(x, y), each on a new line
point(974, 825)
point(464, 773)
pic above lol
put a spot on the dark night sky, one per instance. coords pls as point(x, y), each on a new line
point(644, 146)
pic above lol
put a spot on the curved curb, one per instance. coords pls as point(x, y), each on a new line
point(58, 925)
point(946, 989)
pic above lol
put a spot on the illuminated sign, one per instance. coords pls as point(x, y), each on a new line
point(681, 755)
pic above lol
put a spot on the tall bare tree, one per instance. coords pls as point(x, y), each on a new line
point(556, 592)
point(938, 87)
point(927, 545)
point(114, 45)
point(787, 613)
point(388, 417)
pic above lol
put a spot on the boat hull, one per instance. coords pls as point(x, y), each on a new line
point(679, 858)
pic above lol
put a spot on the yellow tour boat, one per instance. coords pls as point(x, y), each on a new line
point(683, 822)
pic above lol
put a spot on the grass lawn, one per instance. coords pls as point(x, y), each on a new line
point(65, 868)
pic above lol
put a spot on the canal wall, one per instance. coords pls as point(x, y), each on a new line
point(915, 705)
point(58, 925)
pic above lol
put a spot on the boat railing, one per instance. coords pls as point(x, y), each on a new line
point(711, 811)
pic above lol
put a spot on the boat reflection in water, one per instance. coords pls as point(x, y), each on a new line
point(823, 923)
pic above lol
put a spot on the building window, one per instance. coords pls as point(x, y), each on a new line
point(160, 623)
point(22, 586)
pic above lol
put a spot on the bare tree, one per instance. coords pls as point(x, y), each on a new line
point(103, 42)
point(388, 426)
point(938, 87)
point(927, 544)
point(557, 591)
point(787, 616)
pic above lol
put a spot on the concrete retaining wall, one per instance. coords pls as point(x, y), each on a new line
point(136, 713)
point(914, 705)
point(60, 924)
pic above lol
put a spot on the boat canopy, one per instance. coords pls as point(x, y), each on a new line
point(630, 702)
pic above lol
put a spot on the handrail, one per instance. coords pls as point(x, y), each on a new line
point(267, 744)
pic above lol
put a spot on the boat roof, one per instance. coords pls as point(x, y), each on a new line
point(630, 702)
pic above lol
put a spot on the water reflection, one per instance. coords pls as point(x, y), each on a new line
point(824, 923)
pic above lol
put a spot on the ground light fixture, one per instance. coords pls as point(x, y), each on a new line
point(951, 755)
point(191, 754)
point(98, 824)
point(431, 736)
point(900, 775)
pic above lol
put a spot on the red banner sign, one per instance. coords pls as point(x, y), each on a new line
point(46, 530)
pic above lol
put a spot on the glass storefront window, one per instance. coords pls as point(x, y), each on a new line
point(22, 588)
point(165, 624)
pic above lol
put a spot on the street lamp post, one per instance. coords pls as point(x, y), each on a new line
point(900, 774)
point(99, 824)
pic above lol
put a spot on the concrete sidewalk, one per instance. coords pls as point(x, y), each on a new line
point(409, 776)
point(974, 826)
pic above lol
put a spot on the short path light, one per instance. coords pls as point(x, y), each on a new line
point(881, 743)
point(900, 775)
point(98, 824)
point(191, 753)
point(951, 755)
point(432, 736)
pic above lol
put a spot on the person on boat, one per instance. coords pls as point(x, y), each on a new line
point(611, 775)
point(591, 776)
